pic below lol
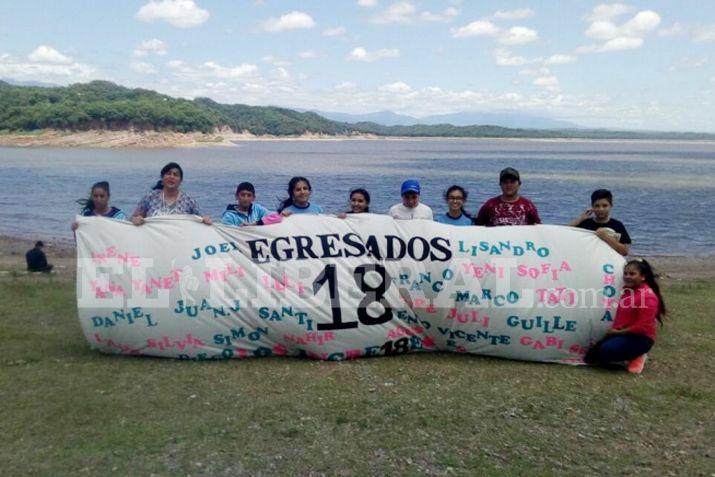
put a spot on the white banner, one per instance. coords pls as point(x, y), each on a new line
point(333, 289)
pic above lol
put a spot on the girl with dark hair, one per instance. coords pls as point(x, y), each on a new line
point(359, 201)
point(98, 204)
point(633, 332)
point(455, 197)
point(298, 201)
point(166, 198)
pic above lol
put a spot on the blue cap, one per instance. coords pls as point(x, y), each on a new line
point(410, 185)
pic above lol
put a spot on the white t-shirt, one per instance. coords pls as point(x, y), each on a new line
point(422, 211)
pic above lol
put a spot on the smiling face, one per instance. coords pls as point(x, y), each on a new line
point(100, 198)
point(171, 179)
point(410, 199)
point(244, 199)
point(358, 203)
point(509, 187)
point(632, 277)
point(301, 193)
point(455, 202)
point(602, 209)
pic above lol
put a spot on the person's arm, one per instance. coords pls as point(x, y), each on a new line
point(612, 242)
point(140, 211)
point(429, 215)
point(42, 260)
point(534, 213)
point(646, 317)
point(482, 217)
point(120, 215)
point(586, 214)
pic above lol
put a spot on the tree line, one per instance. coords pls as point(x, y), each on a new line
point(105, 105)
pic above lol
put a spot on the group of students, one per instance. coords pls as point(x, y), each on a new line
point(640, 306)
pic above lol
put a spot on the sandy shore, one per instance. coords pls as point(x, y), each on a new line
point(150, 139)
point(63, 254)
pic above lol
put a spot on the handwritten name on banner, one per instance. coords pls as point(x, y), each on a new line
point(333, 289)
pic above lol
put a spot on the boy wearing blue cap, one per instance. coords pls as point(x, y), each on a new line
point(411, 208)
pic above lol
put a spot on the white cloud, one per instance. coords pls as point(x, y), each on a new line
point(449, 14)
point(180, 13)
point(560, 59)
point(519, 36)
point(361, 54)
point(47, 64)
point(543, 71)
point(705, 34)
point(47, 54)
point(505, 58)
point(154, 45)
point(179, 66)
point(219, 71)
point(400, 12)
point(476, 28)
point(621, 43)
point(335, 31)
point(272, 60)
point(281, 73)
point(629, 35)
point(143, 68)
point(307, 54)
point(518, 14)
point(609, 11)
point(602, 30)
point(367, 3)
point(398, 87)
point(674, 30)
point(549, 82)
point(290, 21)
point(345, 85)
point(643, 23)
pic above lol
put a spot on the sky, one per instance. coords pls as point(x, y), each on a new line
point(635, 65)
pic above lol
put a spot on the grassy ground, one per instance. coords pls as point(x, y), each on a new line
point(67, 410)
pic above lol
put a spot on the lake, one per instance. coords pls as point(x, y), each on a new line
point(664, 191)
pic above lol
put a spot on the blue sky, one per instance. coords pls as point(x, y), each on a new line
point(636, 65)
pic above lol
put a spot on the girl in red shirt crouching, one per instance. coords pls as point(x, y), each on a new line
point(634, 328)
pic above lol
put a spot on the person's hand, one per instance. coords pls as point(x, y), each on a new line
point(341, 215)
point(137, 220)
point(586, 214)
point(602, 233)
point(246, 224)
point(614, 331)
point(207, 220)
point(74, 226)
point(286, 213)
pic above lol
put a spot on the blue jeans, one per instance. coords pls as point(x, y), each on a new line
point(615, 348)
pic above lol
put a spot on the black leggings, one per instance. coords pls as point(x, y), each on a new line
point(615, 348)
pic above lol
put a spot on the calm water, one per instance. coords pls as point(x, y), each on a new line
point(664, 191)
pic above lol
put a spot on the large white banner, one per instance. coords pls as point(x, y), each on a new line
point(330, 288)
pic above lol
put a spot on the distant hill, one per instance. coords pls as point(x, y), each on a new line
point(507, 119)
point(104, 105)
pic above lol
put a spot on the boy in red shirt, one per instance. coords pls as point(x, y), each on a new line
point(509, 208)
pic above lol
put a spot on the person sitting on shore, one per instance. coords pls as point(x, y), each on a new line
point(245, 211)
point(633, 332)
point(598, 218)
point(298, 201)
point(98, 204)
point(37, 260)
point(455, 197)
point(166, 198)
point(410, 207)
point(509, 208)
